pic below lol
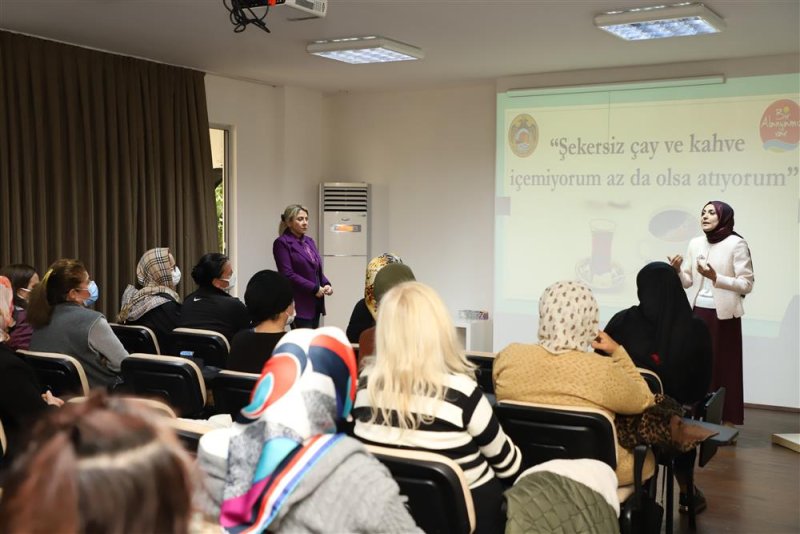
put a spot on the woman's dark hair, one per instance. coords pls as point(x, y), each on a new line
point(20, 275)
point(268, 294)
point(61, 278)
point(99, 466)
point(209, 267)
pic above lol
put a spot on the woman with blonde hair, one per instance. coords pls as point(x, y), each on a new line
point(298, 259)
point(419, 392)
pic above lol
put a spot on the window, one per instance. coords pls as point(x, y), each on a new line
point(219, 158)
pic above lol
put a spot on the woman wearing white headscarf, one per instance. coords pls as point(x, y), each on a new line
point(559, 370)
point(156, 304)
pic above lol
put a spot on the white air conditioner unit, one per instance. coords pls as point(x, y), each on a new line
point(344, 239)
point(316, 8)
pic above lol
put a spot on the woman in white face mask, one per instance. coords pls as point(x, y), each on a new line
point(212, 307)
point(271, 306)
point(155, 303)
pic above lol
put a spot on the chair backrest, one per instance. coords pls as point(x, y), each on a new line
point(652, 379)
point(438, 495)
point(483, 374)
point(176, 381)
point(544, 432)
point(231, 390)
point(189, 432)
point(712, 408)
point(207, 346)
point(62, 374)
point(136, 338)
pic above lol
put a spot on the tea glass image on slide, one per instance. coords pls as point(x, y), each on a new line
point(599, 270)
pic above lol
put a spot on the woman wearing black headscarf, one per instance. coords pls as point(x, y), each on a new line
point(662, 334)
point(718, 273)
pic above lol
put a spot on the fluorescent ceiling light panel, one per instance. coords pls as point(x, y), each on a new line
point(658, 22)
point(370, 49)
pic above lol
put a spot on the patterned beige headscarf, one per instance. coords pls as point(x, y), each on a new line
point(568, 317)
point(375, 265)
point(155, 275)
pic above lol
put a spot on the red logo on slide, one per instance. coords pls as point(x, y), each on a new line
point(780, 126)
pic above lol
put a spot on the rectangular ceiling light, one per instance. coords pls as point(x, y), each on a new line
point(658, 22)
point(371, 49)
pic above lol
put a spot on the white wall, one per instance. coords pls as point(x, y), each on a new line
point(276, 152)
point(429, 156)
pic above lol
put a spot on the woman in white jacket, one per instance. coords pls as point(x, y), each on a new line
point(718, 273)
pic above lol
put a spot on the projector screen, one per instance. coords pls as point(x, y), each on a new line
point(594, 182)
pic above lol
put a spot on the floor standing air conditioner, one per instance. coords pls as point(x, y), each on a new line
point(344, 236)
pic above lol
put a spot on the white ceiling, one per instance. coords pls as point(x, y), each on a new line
point(463, 40)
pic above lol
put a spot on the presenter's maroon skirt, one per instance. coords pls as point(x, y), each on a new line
point(726, 343)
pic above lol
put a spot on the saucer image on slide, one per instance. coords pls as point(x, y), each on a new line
point(669, 231)
point(598, 270)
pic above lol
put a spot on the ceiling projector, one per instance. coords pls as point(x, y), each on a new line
point(316, 8)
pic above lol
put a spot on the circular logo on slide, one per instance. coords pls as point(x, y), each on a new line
point(523, 135)
point(780, 126)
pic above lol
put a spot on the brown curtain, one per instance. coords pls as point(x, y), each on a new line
point(101, 158)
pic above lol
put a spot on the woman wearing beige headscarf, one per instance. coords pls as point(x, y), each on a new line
point(560, 370)
point(155, 304)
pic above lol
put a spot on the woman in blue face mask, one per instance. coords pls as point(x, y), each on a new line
point(62, 323)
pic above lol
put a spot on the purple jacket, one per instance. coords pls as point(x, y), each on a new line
point(20, 335)
point(305, 275)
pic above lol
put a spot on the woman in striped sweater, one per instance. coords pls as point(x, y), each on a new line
point(419, 392)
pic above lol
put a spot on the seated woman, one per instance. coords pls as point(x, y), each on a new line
point(211, 307)
point(364, 311)
point(663, 335)
point(99, 466)
point(271, 306)
point(62, 323)
point(156, 304)
point(388, 277)
point(23, 279)
point(21, 397)
point(282, 467)
point(559, 370)
point(419, 392)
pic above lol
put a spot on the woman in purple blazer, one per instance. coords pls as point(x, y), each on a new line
point(298, 259)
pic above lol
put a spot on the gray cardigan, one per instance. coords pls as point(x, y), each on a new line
point(348, 490)
point(86, 335)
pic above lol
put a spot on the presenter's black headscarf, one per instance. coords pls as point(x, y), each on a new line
point(724, 227)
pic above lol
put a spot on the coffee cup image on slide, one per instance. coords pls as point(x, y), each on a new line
point(668, 233)
point(599, 271)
